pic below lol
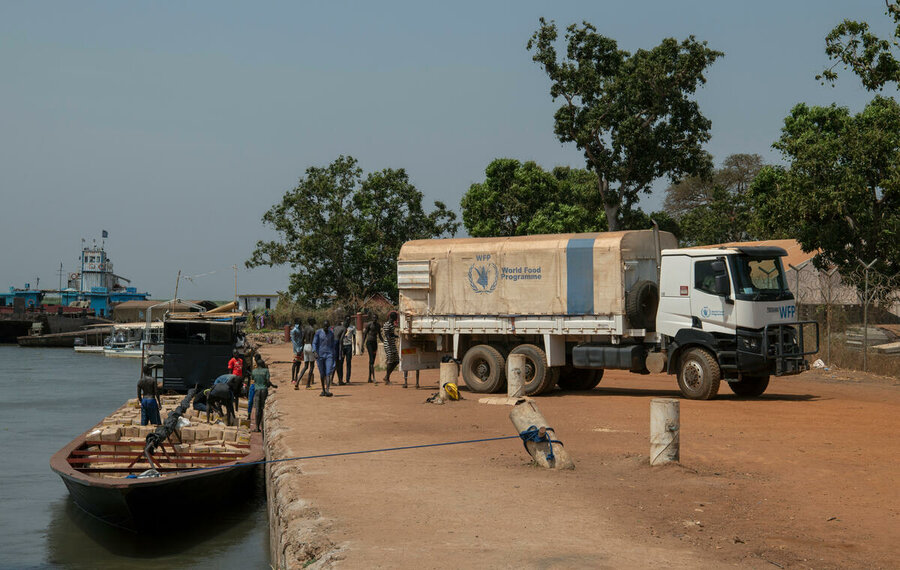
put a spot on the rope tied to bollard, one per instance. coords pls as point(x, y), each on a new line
point(533, 434)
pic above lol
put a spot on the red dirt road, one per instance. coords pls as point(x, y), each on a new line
point(804, 477)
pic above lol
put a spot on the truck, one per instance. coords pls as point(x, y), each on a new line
point(578, 304)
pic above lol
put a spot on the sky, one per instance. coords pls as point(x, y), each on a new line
point(176, 125)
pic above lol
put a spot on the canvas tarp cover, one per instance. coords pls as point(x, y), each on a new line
point(528, 275)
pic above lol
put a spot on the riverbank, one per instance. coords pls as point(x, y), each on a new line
point(801, 477)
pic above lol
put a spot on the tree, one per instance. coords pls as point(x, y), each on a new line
point(715, 209)
point(874, 60)
point(631, 114)
point(522, 198)
point(841, 193)
point(388, 212)
point(341, 233)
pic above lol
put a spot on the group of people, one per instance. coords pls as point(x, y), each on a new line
point(221, 397)
point(330, 349)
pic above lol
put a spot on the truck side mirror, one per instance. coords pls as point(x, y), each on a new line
point(718, 266)
point(722, 287)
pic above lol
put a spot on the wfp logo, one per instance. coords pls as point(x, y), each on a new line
point(788, 311)
point(483, 278)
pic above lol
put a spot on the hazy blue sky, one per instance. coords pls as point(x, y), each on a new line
point(175, 125)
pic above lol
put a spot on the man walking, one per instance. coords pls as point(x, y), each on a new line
point(309, 355)
point(340, 330)
point(323, 346)
point(297, 342)
point(262, 382)
point(391, 356)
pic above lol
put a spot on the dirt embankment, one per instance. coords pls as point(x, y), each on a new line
point(804, 477)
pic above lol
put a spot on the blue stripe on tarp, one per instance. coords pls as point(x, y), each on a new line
point(580, 276)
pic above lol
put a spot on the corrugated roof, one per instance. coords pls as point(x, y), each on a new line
point(795, 254)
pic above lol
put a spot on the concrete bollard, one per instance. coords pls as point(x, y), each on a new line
point(515, 376)
point(525, 415)
point(449, 373)
point(665, 427)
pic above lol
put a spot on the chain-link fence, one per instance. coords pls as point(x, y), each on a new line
point(858, 316)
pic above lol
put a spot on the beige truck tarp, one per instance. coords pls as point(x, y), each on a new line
point(560, 274)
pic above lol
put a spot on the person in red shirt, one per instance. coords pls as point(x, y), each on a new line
point(236, 365)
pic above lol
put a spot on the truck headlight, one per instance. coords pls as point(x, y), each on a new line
point(748, 344)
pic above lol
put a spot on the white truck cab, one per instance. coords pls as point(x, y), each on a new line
point(727, 313)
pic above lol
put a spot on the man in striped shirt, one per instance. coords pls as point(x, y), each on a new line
point(392, 357)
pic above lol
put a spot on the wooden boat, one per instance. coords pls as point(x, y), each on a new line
point(142, 477)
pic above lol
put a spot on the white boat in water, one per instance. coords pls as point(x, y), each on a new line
point(135, 340)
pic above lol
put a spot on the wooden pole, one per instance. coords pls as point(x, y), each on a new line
point(449, 373)
point(524, 415)
point(515, 376)
point(664, 431)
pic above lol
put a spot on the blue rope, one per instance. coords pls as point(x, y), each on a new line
point(351, 453)
point(533, 434)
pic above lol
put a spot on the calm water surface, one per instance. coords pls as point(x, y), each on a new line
point(47, 397)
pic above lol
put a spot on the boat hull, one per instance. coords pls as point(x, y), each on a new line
point(144, 504)
point(148, 504)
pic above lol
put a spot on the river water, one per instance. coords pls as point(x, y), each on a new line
point(47, 397)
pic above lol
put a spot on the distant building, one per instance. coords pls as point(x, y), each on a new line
point(255, 302)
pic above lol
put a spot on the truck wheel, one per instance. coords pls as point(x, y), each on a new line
point(641, 302)
point(483, 369)
point(579, 378)
point(699, 375)
point(539, 377)
point(750, 386)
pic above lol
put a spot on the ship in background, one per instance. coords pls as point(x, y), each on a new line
point(88, 298)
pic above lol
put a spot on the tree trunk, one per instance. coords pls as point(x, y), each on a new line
point(612, 217)
point(612, 212)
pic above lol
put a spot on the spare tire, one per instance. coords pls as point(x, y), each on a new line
point(641, 302)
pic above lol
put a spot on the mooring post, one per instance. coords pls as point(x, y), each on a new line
point(515, 376)
point(664, 430)
point(449, 373)
point(544, 447)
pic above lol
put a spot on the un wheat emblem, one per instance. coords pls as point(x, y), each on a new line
point(484, 279)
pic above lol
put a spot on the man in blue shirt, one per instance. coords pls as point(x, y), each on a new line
point(297, 342)
point(324, 346)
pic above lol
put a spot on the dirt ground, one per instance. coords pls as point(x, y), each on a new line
point(803, 477)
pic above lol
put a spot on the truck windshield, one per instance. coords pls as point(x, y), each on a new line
point(760, 279)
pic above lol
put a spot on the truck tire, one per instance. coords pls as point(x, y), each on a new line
point(750, 386)
point(539, 377)
point(699, 375)
point(484, 369)
point(579, 378)
point(641, 302)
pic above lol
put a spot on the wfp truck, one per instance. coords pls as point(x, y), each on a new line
point(577, 304)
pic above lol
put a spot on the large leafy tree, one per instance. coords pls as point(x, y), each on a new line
point(875, 60)
point(715, 209)
point(630, 114)
point(341, 233)
point(522, 198)
point(841, 193)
